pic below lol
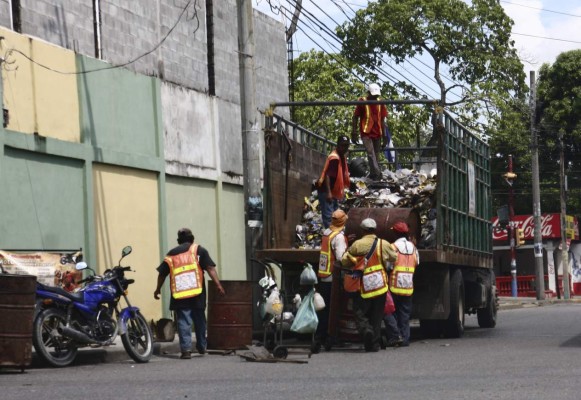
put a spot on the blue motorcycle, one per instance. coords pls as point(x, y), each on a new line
point(65, 322)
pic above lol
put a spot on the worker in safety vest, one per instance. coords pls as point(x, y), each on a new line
point(369, 121)
point(333, 181)
point(185, 265)
point(368, 257)
point(333, 246)
point(401, 285)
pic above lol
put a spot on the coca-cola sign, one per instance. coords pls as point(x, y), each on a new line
point(550, 227)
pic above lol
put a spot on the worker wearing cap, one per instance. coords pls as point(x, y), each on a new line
point(185, 264)
point(369, 256)
point(401, 285)
point(333, 246)
point(369, 121)
point(333, 181)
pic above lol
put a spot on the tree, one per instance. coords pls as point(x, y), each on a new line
point(471, 40)
point(319, 76)
point(559, 93)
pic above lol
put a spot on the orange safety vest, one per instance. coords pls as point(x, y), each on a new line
point(327, 256)
point(186, 275)
point(342, 180)
point(366, 122)
point(402, 276)
point(374, 280)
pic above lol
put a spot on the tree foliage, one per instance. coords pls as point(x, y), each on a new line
point(319, 76)
point(559, 96)
point(470, 41)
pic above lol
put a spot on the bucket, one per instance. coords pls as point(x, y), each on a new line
point(230, 316)
point(17, 298)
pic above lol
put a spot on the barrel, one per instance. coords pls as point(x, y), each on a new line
point(385, 219)
point(17, 297)
point(230, 316)
point(347, 327)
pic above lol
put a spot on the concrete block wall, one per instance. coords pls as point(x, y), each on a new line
point(4, 13)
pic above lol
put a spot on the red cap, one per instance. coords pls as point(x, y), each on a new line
point(400, 227)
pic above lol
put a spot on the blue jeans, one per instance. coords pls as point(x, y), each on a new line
point(327, 208)
point(185, 318)
point(391, 329)
point(403, 311)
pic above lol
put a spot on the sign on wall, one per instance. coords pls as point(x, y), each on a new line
point(52, 269)
point(550, 227)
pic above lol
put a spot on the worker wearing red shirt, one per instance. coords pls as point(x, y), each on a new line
point(371, 120)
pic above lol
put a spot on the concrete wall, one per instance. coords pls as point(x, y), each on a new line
point(39, 99)
point(131, 29)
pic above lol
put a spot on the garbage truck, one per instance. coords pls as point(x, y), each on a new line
point(455, 276)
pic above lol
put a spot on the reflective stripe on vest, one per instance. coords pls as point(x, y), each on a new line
point(186, 275)
point(327, 256)
point(374, 280)
point(365, 122)
point(402, 276)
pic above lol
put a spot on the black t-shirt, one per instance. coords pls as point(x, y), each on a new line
point(204, 261)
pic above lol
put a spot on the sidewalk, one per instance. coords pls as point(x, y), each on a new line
point(509, 303)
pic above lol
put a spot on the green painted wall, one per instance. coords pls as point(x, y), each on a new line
point(42, 201)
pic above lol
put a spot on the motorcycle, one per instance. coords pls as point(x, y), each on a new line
point(66, 321)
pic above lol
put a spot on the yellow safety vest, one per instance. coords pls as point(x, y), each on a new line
point(402, 276)
point(327, 256)
point(374, 280)
point(186, 275)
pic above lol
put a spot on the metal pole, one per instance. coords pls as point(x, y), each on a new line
point(253, 208)
point(565, 256)
point(538, 239)
point(512, 233)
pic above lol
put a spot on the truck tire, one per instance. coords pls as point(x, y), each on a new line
point(487, 315)
point(454, 326)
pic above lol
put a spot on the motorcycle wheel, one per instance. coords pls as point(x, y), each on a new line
point(138, 340)
point(50, 345)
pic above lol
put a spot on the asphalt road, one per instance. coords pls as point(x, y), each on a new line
point(534, 353)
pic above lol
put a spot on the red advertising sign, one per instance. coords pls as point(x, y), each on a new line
point(550, 227)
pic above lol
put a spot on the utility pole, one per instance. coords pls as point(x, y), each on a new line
point(538, 238)
point(253, 208)
point(564, 256)
point(510, 177)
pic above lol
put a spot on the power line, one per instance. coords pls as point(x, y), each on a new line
point(541, 9)
point(547, 38)
point(195, 16)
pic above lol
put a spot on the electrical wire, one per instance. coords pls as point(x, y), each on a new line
point(195, 16)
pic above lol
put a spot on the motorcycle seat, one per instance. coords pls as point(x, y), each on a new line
point(54, 289)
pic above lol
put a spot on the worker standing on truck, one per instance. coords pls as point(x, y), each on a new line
point(333, 246)
point(369, 257)
point(333, 180)
point(185, 264)
point(401, 285)
point(369, 120)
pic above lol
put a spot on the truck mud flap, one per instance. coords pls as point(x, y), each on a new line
point(431, 298)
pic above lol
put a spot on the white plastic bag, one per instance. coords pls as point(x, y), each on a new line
point(318, 302)
point(273, 303)
point(308, 276)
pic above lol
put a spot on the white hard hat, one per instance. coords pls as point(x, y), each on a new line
point(368, 224)
point(374, 89)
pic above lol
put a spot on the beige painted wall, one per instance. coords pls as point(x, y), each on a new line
point(126, 213)
point(39, 99)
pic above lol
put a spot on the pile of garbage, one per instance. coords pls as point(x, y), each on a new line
point(404, 188)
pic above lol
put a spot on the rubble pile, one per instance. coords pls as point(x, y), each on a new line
point(403, 188)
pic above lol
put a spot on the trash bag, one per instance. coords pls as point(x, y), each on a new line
point(308, 276)
point(389, 305)
point(273, 303)
point(318, 302)
point(306, 320)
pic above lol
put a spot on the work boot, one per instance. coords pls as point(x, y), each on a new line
point(186, 355)
point(368, 341)
point(201, 350)
point(395, 342)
